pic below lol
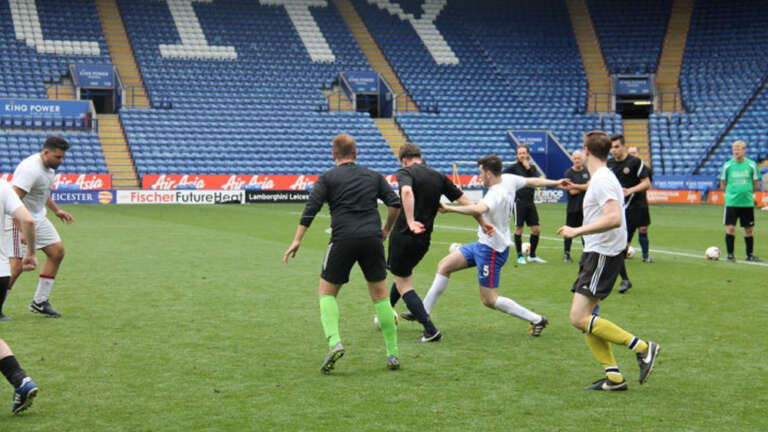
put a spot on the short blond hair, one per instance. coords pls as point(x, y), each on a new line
point(344, 146)
point(739, 143)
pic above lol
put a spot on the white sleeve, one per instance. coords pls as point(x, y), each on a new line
point(10, 200)
point(23, 178)
point(491, 199)
point(603, 192)
point(519, 182)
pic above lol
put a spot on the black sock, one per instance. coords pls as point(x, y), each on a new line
point(12, 371)
point(394, 295)
point(643, 237)
point(750, 241)
point(568, 245)
point(623, 272)
point(729, 241)
point(519, 244)
point(416, 307)
point(534, 243)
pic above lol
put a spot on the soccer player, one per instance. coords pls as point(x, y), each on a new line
point(32, 180)
point(525, 208)
point(351, 192)
point(579, 177)
point(420, 190)
point(25, 389)
point(605, 241)
point(633, 177)
point(490, 252)
point(739, 179)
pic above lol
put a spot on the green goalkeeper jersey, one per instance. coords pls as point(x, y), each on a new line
point(739, 177)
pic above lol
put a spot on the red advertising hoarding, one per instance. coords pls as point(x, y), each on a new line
point(263, 182)
point(76, 181)
point(718, 198)
point(662, 196)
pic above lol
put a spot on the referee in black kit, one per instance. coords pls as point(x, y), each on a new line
point(633, 176)
point(420, 190)
point(578, 174)
point(525, 208)
point(352, 192)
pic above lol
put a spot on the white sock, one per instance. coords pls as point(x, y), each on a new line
point(511, 307)
point(439, 285)
point(44, 285)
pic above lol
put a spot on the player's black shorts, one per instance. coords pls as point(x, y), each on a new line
point(637, 217)
point(745, 215)
point(343, 254)
point(574, 219)
point(597, 274)
point(405, 252)
point(526, 213)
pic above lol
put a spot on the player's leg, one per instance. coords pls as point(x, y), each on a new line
point(455, 261)
point(582, 308)
point(532, 220)
point(567, 242)
point(729, 220)
point(597, 275)
point(642, 234)
point(370, 255)
point(337, 263)
point(626, 284)
point(748, 223)
point(416, 309)
point(25, 389)
point(47, 239)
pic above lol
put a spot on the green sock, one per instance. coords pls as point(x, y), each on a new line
point(329, 316)
point(387, 322)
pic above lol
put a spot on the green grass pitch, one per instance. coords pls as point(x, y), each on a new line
point(184, 319)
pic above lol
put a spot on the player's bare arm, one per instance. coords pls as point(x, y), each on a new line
point(24, 219)
point(392, 213)
point(61, 214)
point(542, 182)
point(487, 227)
point(610, 219)
point(576, 189)
point(408, 202)
point(294, 247)
point(644, 185)
point(477, 209)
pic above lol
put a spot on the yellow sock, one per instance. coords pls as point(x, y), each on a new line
point(601, 351)
point(609, 331)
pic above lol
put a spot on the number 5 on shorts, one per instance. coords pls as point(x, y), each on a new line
point(486, 270)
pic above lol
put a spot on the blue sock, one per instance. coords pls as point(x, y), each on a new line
point(643, 238)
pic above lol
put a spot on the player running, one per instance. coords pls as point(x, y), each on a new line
point(420, 190)
point(490, 252)
point(605, 241)
point(351, 192)
point(25, 389)
point(32, 181)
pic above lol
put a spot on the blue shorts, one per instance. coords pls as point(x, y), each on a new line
point(488, 262)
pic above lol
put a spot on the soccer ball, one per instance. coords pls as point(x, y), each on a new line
point(376, 319)
point(526, 248)
point(631, 252)
point(454, 247)
point(712, 253)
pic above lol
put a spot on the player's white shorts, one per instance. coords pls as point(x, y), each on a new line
point(45, 235)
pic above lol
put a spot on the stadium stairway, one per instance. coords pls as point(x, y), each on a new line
point(670, 63)
point(116, 153)
point(636, 134)
point(392, 132)
point(122, 54)
point(61, 91)
point(592, 57)
point(337, 100)
point(374, 54)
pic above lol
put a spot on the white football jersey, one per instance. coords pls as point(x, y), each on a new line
point(9, 203)
point(36, 180)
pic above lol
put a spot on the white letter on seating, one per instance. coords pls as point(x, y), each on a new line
point(193, 45)
point(425, 27)
point(306, 27)
point(26, 25)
